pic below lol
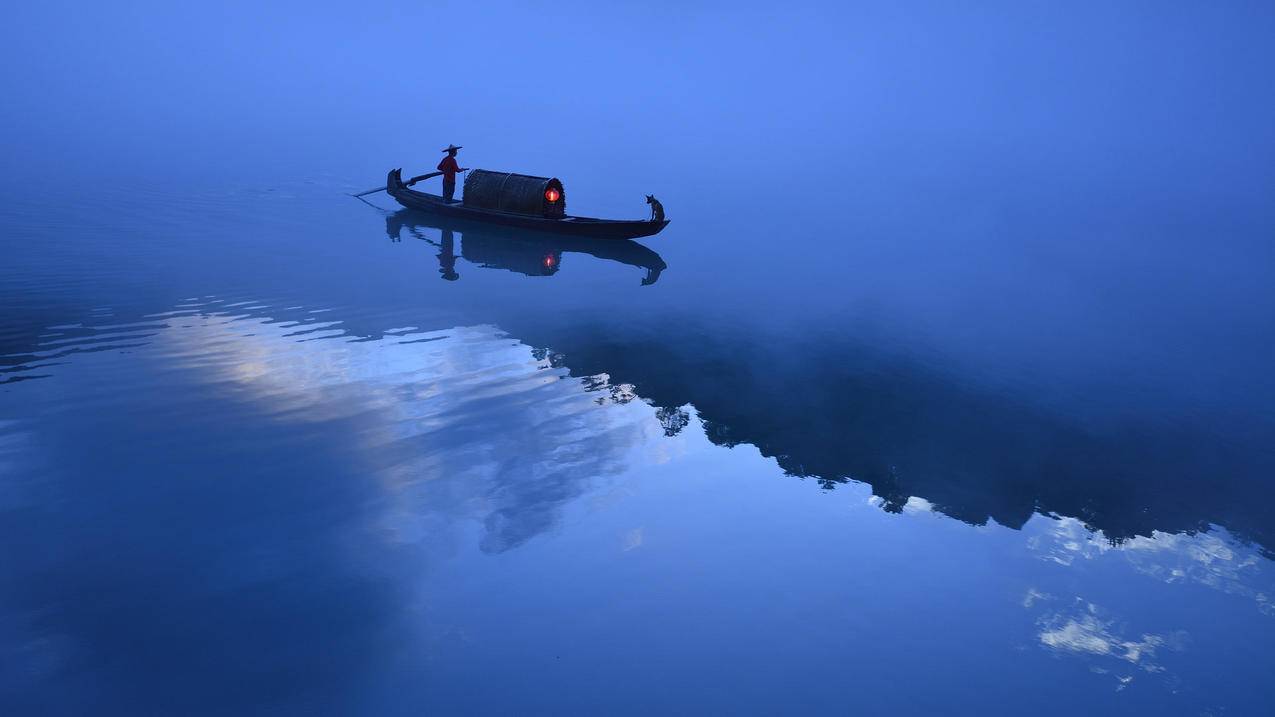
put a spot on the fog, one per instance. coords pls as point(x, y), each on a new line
point(1085, 184)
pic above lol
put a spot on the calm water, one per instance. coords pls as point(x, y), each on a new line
point(967, 408)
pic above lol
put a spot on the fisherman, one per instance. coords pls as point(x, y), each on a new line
point(449, 168)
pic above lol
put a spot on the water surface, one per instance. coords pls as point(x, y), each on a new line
point(968, 409)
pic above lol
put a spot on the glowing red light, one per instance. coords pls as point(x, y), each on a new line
point(552, 195)
point(549, 261)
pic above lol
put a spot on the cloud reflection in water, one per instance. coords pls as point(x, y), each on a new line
point(462, 422)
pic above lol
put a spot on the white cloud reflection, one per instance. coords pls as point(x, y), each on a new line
point(462, 423)
point(1080, 628)
point(1088, 634)
point(1214, 559)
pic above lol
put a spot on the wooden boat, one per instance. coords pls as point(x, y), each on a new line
point(518, 211)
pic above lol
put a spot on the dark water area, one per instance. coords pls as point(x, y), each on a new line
point(946, 391)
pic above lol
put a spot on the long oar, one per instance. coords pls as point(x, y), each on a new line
point(408, 183)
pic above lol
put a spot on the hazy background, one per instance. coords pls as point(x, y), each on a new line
point(1101, 171)
point(1105, 96)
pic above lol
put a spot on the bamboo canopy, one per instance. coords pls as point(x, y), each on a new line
point(515, 193)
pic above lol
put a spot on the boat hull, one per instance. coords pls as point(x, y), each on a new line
point(568, 226)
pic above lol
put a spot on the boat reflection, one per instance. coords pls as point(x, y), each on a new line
point(524, 252)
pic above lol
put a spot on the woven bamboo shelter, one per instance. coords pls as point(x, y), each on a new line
point(515, 193)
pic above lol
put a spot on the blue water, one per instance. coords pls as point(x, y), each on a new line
point(947, 390)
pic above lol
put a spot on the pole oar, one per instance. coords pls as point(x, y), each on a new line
point(408, 183)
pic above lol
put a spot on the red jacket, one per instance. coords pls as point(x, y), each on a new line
point(449, 168)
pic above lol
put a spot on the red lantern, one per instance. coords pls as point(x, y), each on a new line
point(552, 195)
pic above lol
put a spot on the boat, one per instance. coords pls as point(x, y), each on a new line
point(530, 253)
point(518, 200)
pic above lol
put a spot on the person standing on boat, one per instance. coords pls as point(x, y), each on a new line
point(449, 168)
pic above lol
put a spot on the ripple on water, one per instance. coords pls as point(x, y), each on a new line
point(470, 403)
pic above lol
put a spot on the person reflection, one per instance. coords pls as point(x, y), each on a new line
point(447, 256)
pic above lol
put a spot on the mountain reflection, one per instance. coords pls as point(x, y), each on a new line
point(523, 252)
point(833, 411)
point(836, 410)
